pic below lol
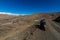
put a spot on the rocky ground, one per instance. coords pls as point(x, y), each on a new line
point(24, 27)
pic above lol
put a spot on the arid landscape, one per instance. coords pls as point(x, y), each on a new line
point(24, 27)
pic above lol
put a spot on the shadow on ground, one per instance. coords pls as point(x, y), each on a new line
point(41, 27)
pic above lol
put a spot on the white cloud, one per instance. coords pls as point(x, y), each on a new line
point(12, 13)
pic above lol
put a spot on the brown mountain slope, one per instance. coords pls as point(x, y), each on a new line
point(5, 16)
point(20, 27)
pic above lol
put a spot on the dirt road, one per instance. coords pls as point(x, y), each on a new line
point(33, 33)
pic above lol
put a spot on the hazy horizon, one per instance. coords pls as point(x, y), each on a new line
point(27, 7)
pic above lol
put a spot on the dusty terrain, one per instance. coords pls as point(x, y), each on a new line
point(23, 27)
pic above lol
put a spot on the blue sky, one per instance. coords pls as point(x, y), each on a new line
point(29, 6)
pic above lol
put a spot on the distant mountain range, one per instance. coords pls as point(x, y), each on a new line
point(29, 17)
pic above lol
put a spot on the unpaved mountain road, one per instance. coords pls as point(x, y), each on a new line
point(50, 33)
point(53, 29)
point(33, 33)
point(42, 35)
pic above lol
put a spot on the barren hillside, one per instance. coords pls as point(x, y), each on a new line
point(23, 27)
